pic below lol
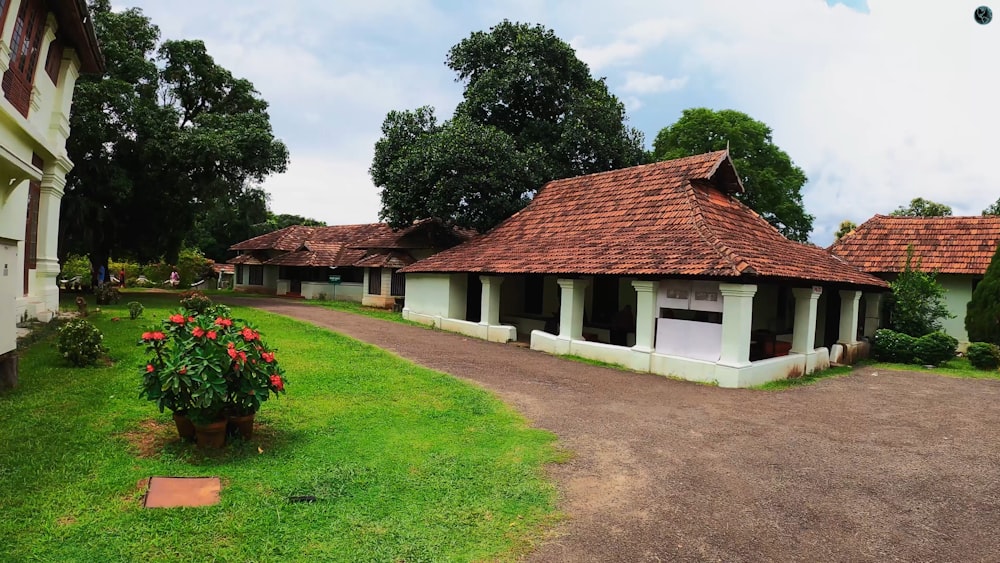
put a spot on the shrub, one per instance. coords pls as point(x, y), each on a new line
point(891, 346)
point(106, 294)
point(934, 348)
point(76, 265)
point(135, 310)
point(195, 301)
point(81, 343)
point(982, 319)
point(983, 355)
point(917, 300)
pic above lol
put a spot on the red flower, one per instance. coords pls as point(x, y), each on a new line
point(248, 334)
point(231, 351)
point(157, 335)
point(210, 335)
point(223, 322)
point(147, 336)
point(190, 319)
point(198, 332)
point(277, 382)
point(268, 356)
point(150, 368)
point(243, 357)
point(183, 370)
point(179, 319)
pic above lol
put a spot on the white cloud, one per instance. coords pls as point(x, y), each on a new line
point(642, 83)
point(319, 186)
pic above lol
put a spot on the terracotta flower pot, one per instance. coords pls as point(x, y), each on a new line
point(211, 435)
point(185, 429)
point(242, 426)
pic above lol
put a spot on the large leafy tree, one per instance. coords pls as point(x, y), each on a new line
point(982, 318)
point(773, 182)
point(166, 135)
point(531, 113)
point(846, 227)
point(920, 207)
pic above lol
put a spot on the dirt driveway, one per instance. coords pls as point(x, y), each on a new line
point(875, 466)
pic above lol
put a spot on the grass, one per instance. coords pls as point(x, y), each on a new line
point(358, 309)
point(597, 363)
point(782, 384)
point(407, 464)
point(957, 367)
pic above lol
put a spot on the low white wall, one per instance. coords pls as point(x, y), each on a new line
point(756, 373)
point(429, 294)
point(493, 333)
point(339, 292)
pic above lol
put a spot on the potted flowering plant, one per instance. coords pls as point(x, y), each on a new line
point(210, 366)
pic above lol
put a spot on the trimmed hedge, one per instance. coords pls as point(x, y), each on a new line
point(933, 349)
point(983, 355)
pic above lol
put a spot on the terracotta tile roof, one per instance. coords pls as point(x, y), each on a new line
point(667, 218)
point(292, 238)
point(390, 259)
point(223, 269)
point(950, 245)
point(287, 239)
point(425, 233)
point(249, 259)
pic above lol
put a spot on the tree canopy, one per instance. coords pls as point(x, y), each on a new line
point(920, 207)
point(165, 135)
point(531, 112)
point(993, 209)
point(773, 182)
point(846, 227)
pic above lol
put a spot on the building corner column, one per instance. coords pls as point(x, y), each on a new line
point(737, 322)
point(490, 300)
point(645, 315)
point(873, 313)
point(849, 309)
point(571, 308)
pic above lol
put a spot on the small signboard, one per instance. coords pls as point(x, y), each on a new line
point(335, 280)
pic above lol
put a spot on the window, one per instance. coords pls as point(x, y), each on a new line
point(24, 46)
point(31, 231)
point(534, 285)
point(375, 281)
point(54, 60)
point(256, 275)
point(239, 274)
point(398, 285)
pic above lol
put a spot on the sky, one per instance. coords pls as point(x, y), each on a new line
point(878, 101)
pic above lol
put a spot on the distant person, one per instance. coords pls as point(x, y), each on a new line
point(121, 277)
point(175, 278)
point(101, 273)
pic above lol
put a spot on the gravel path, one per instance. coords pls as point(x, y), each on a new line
point(875, 466)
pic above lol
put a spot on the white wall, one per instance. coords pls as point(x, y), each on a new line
point(958, 293)
point(340, 292)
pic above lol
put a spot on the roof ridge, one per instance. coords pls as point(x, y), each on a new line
point(738, 264)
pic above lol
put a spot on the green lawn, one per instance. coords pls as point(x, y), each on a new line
point(407, 464)
point(958, 367)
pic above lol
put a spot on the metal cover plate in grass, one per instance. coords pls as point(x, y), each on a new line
point(171, 492)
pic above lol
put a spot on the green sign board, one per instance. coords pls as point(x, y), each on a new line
point(335, 280)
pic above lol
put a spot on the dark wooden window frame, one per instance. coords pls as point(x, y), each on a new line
point(374, 281)
point(255, 275)
point(397, 286)
point(53, 60)
point(25, 44)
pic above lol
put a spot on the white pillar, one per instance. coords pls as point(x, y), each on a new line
point(737, 321)
point(490, 300)
point(873, 313)
point(47, 262)
point(645, 315)
point(849, 300)
point(571, 309)
point(804, 331)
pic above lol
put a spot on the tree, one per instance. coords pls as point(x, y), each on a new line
point(993, 209)
point(165, 135)
point(917, 300)
point(773, 182)
point(982, 317)
point(846, 227)
point(920, 207)
point(530, 113)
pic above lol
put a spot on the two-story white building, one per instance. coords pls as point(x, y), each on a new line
point(44, 46)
